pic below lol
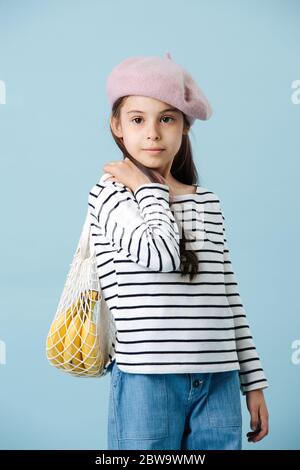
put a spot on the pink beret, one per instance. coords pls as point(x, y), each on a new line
point(160, 78)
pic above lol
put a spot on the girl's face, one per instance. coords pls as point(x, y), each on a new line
point(150, 123)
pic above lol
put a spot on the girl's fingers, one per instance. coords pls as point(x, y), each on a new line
point(254, 422)
point(106, 175)
point(262, 429)
point(264, 423)
point(257, 437)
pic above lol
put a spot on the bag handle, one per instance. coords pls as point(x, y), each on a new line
point(84, 240)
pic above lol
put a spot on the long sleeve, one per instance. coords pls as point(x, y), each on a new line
point(252, 376)
point(140, 224)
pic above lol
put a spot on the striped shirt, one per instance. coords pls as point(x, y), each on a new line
point(165, 322)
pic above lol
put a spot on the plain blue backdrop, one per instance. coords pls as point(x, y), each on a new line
point(54, 140)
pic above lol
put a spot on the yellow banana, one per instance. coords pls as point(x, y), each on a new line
point(57, 333)
point(90, 346)
point(72, 354)
point(64, 340)
point(93, 295)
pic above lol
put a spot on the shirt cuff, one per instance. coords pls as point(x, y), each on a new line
point(249, 388)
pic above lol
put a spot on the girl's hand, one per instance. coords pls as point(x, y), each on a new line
point(125, 172)
point(259, 415)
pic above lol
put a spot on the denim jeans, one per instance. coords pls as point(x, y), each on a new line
point(198, 411)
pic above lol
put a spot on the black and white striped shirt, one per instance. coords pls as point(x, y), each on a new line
point(165, 322)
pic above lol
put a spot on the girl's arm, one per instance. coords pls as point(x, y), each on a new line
point(252, 376)
point(141, 225)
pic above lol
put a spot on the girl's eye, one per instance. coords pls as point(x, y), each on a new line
point(168, 117)
point(164, 117)
point(134, 119)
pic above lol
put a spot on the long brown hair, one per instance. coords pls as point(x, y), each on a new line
point(183, 169)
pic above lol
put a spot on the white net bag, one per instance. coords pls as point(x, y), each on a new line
point(82, 334)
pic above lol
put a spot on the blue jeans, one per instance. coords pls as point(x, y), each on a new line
point(199, 411)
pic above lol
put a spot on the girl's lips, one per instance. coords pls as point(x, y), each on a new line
point(154, 151)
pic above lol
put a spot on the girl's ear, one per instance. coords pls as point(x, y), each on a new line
point(115, 125)
point(185, 130)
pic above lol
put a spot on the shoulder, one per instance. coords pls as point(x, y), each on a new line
point(109, 188)
point(208, 194)
point(104, 182)
point(212, 197)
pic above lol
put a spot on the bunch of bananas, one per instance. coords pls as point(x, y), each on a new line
point(72, 341)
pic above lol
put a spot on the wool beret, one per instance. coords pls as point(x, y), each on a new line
point(161, 78)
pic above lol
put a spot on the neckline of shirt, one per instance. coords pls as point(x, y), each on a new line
point(188, 195)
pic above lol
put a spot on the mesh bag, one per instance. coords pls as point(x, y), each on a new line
point(81, 337)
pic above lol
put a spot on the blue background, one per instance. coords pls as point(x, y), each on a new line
point(54, 140)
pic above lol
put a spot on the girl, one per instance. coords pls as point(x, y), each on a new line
point(183, 349)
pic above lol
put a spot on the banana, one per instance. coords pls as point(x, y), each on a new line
point(92, 295)
point(90, 347)
point(72, 356)
point(72, 342)
point(57, 333)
